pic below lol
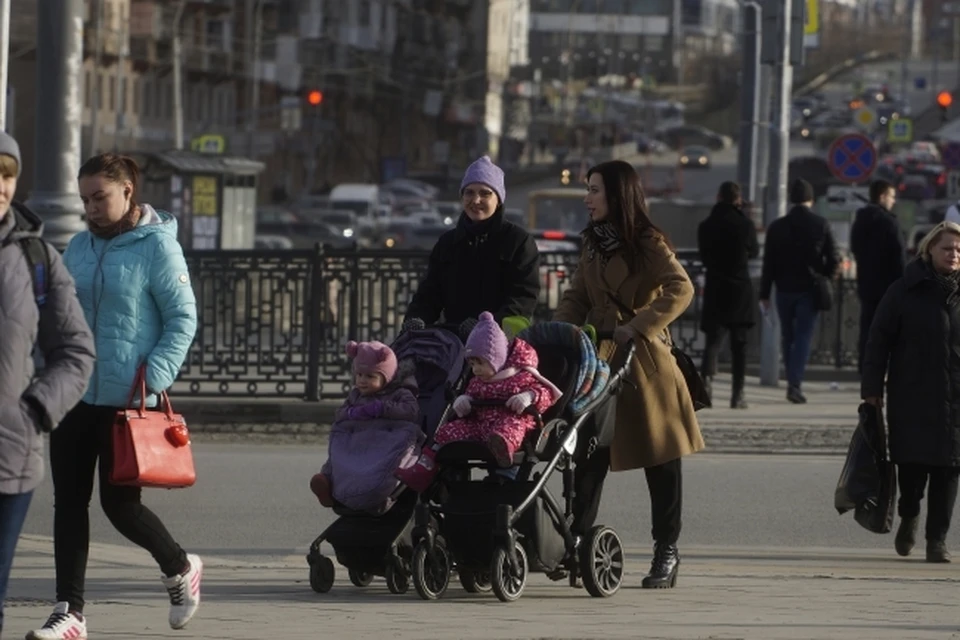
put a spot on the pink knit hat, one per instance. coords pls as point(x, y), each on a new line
point(488, 342)
point(373, 357)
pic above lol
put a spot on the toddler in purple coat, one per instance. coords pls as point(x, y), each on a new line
point(376, 432)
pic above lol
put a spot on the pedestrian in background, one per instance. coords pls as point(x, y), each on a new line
point(628, 263)
point(727, 240)
point(914, 344)
point(486, 263)
point(798, 249)
point(135, 291)
point(36, 312)
point(879, 249)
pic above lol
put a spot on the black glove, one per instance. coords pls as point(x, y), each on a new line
point(466, 327)
point(412, 324)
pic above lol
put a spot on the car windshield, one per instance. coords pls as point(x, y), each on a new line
point(338, 219)
point(350, 205)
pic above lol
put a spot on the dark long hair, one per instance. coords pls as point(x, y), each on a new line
point(627, 207)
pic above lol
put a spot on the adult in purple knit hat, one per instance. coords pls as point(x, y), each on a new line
point(486, 263)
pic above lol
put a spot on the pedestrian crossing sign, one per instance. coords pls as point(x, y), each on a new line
point(900, 130)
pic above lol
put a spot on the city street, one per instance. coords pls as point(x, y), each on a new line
point(765, 556)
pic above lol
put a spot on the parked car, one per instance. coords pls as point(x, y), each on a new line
point(695, 157)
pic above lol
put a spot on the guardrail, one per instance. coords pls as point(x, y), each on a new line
point(273, 323)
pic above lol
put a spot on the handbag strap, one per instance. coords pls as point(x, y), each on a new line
point(140, 384)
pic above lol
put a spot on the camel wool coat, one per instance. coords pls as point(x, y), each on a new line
point(655, 420)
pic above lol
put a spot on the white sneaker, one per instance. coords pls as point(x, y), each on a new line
point(184, 593)
point(61, 625)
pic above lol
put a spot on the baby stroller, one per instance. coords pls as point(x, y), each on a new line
point(503, 530)
point(381, 545)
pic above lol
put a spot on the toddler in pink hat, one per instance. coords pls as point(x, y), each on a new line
point(505, 372)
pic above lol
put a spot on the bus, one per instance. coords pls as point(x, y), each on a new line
point(560, 209)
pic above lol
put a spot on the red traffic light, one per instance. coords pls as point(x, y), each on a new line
point(315, 97)
point(944, 99)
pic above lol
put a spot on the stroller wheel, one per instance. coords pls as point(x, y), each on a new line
point(474, 581)
point(398, 581)
point(322, 574)
point(507, 585)
point(601, 562)
point(360, 578)
point(431, 576)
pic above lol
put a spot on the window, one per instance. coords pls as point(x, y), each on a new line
point(613, 7)
point(653, 44)
point(87, 89)
point(630, 42)
point(363, 13)
point(123, 95)
point(137, 88)
point(111, 93)
point(148, 97)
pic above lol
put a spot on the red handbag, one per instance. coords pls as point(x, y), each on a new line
point(151, 448)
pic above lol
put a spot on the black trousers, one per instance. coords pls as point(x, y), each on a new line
point(664, 483)
point(738, 351)
point(940, 500)
point(868, 309)
point(82, 438)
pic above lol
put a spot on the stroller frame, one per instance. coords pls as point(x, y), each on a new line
point(596, 558)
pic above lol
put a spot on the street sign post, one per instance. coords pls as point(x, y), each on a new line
point(852, 158)
point(900, 130)
point(950, 155)
point(953, 185)
point(865, 119)
point(844, 199)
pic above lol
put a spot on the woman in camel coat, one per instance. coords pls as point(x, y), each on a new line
point(628, 265)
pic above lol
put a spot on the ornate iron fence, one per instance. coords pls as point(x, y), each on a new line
point(273, 323)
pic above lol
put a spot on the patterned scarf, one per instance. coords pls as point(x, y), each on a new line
point(112, 230)
point(949, 282)
point(603, 239)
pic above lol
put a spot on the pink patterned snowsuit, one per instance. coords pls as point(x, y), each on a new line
point(519, 374)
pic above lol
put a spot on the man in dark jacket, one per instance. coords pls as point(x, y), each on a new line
point(42, 311)
point(798, 249)
point(728, 241)
point(486, 263)
point(878, 247)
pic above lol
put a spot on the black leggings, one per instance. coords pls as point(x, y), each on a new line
point(82, 438)
point(665, 483)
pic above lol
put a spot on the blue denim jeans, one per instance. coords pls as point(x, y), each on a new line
point(798, 318)
point(13, 511)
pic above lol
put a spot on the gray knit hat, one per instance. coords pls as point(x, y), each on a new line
point(483, 171)
point(9, 147)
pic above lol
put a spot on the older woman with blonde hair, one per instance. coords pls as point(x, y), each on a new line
point(914, 343)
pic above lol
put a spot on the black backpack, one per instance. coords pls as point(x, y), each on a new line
point(38, 260)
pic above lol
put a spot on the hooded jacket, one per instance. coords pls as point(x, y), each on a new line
point(31, 404)
point(136, 295)
point(878, 247)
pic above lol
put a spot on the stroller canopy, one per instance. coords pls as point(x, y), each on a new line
point(582, 380)
point(437, 353)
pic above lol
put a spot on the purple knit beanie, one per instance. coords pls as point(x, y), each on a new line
point(373, 357)
point(488, 342)
point(483, 171)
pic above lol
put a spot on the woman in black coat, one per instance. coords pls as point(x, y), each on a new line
point(915, 343)
point(727, 241)
point(486, 263)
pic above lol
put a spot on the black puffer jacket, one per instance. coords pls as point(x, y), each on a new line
point(490, 266)
point(915, 342)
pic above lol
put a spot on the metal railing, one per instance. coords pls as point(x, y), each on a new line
point(274, 323)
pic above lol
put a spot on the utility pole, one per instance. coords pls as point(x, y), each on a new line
point(59, 111)
point(776, 202)
point(177, 78)
point(120, 97)
point(95, 90)
point(749, 102)
point(257, 33)
point(4, 60)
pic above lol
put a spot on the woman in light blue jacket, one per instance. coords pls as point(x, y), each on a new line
point(133, 284)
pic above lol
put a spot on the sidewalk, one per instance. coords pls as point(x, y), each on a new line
point(770, 425)
point(722, 593)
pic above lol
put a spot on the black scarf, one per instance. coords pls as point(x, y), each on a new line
point(949, 282)
point(603, 239)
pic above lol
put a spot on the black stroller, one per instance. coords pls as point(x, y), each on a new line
point(381, 545)
point(500, 531)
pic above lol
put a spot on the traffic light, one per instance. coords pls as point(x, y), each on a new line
point(944, 100)
point(315, 97)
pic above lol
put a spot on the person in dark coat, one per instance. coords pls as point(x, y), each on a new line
point(728, 241)
point(914, 343)
point(32, 404)
point(878, 247)
point(486, 263)
point(798, 247)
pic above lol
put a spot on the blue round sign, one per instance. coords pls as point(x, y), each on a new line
point(852, 158)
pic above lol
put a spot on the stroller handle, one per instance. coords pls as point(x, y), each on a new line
point(621, 373)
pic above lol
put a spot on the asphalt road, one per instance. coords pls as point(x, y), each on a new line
point(252, 503)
